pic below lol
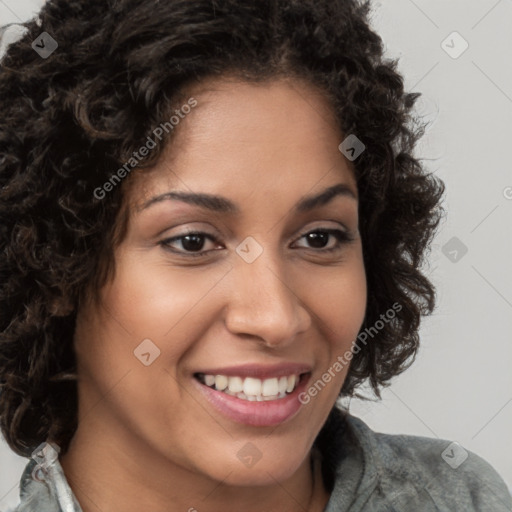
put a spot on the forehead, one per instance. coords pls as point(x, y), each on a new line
point(244, 138)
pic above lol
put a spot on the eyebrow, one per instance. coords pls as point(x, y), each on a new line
point(223, 205)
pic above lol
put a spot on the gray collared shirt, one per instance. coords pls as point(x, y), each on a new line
point(364, 471)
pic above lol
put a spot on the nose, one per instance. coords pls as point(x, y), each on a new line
point(264, 305)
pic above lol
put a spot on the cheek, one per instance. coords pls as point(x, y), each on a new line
point(340, 306)
point(339, 302)
point(153, 300)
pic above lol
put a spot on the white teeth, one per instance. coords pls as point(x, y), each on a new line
point(270, 387)
point(291, 384)
point(235, 384)
point(221, 382)
point(251, 388)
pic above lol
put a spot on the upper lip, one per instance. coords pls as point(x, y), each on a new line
point(259, 371)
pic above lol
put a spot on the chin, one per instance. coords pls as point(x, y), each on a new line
point(261, 474)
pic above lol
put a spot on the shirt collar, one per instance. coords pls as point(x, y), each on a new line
point(44, 488)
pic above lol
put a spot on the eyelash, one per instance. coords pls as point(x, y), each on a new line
point(342, 237)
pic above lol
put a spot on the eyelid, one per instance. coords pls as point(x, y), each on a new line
point(214, 239)
point(342, 236)
point(320, 226)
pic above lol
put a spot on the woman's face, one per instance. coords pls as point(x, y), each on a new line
point(266, 290)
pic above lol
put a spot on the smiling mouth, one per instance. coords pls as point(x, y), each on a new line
point(250, 388)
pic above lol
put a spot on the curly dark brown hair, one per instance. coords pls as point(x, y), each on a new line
point(70, 119)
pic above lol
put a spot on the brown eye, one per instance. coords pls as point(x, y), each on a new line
point(319, 239)
point(192, 243)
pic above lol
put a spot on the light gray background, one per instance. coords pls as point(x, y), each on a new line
point(460, 387)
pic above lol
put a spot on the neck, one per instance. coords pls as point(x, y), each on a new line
point(111, 473)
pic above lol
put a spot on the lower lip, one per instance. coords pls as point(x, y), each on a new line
point(257, 414)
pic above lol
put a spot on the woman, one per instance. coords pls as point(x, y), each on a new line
point(206, 208)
